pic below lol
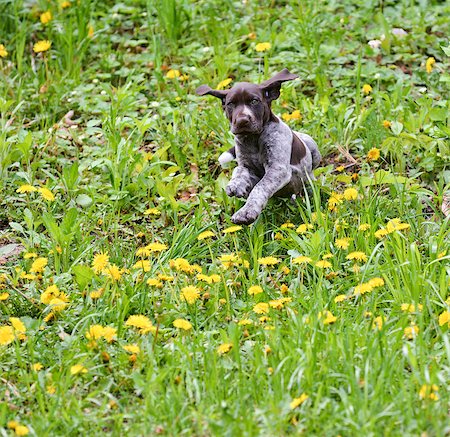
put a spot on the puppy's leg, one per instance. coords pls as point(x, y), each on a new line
point(242, 182)
point(275, 178)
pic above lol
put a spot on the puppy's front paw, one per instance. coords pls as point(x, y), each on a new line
point(245, 216)
point(237, 189)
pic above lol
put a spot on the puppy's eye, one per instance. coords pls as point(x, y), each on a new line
point(254, 102)
point(230, 105)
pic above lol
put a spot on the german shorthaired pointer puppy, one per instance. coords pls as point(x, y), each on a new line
point(272, 159)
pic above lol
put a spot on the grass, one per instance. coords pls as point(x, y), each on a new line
point(349, 335)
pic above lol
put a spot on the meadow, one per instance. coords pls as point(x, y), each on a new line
point(129, 302)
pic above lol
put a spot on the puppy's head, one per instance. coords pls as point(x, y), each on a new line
point(247, 105)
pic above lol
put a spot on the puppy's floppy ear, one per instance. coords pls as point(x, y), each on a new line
point(271, 87)
point(205, 89)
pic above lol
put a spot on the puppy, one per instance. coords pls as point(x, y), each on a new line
point(272, 159)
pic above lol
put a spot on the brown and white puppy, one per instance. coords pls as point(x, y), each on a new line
point(272, 159)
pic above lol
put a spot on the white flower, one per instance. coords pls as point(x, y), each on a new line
point(374, 43)
point(398, 31)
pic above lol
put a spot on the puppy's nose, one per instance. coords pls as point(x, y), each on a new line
point(242, 120)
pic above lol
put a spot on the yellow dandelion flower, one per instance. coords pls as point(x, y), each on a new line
point(180, 264)
point(429, 392)
point(65, 4)
point(18, 325)
point(373, 154)
point(376, 282)
point(172, 74)
point(6, 335)
point(58, 304)
point(296, 115)
point(268, 261)
point(381, 233)
point(3, 51)
point(410, 332)
point(367, 88)
point(96, 294)
point(232, 229)
point(358, 256)
point(29, 255)
point(224, 348)
point(152, 211)
point(363, 289)
point(224, 83)
point(296, 402)
point(109, 333)
point(182, 324)
point(143, 252)
point(327, 317)
point(38, 265)
point(4, 296)
point(142, 264)
point(165, 278)
point(46, 17)
point(12, 424)
point(335, 200)
point(287, 225)
point(113, 272)
point(444, 318)
point(190, 294)
point(46, 194)
point(153, 282)
point(94, 332)
point(100, 262)
point(343, 243)
point(37, 366)
point(261, 308)
point(21, 430)
point(340, 298)
point(386, 124)
point(254, 290)
point(301, 260)
point(350, 194)
point(204, 235)
point(245, 322)
point(77, 369)
point(429, 64)
point(378, 323)
point(410, 307)
point(263, 46)
point(132, 348)
point(26, 188)
point(42, 46)
point(215, 279)
point(143, 323)
point(303, 228)
point(323, 264)
point(156, 247)
point(363, 227)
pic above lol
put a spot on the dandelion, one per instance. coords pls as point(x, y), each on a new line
point(224, 348)
point(429, 392)
point(363, 289)
point(429, 64)
point(6, 335)
point(58, 304)
point(142, 264)
point(65, 4)
point(367, 88)
point(3, 51)
point(95, 332)
point(113, 272)
point(18, 325)
point(204, 235)
point(50, 293)
point(287, 225)
point(376, 282)
point(152, 211)
point(21, 430)
point(350, 194)
point(165, 278)
point(410, 307)
point(180, 264)
point(386, 124)
point(38, 265)
point(232, 229)
point(358, 256)
point(245, 322)
point(378, 323)
point(182, 324)
point(263, 46)
point(444, 318)
point(153, 282)
point(37, 366)
point(296, 402)
point(301, 260)
point(323, 264)
point(46, 17)
point(77, 369)
point(190, 294)
point(373, 154)
point(327, 317)
point(172, 74)
point(254, 290)
point(303, 228)
point(224, 83)
point(268, 261)
point(343, 243)
point(363, 227)
point(156, 247)
point(132, 348)
point(334, 200)
point(42, 46)
point(261, 308)
point(340, 298)
point(143, 323)
point(4, 296)
point(26, 188)
point(96, 294)
point(410, 332)
point(100, 262)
